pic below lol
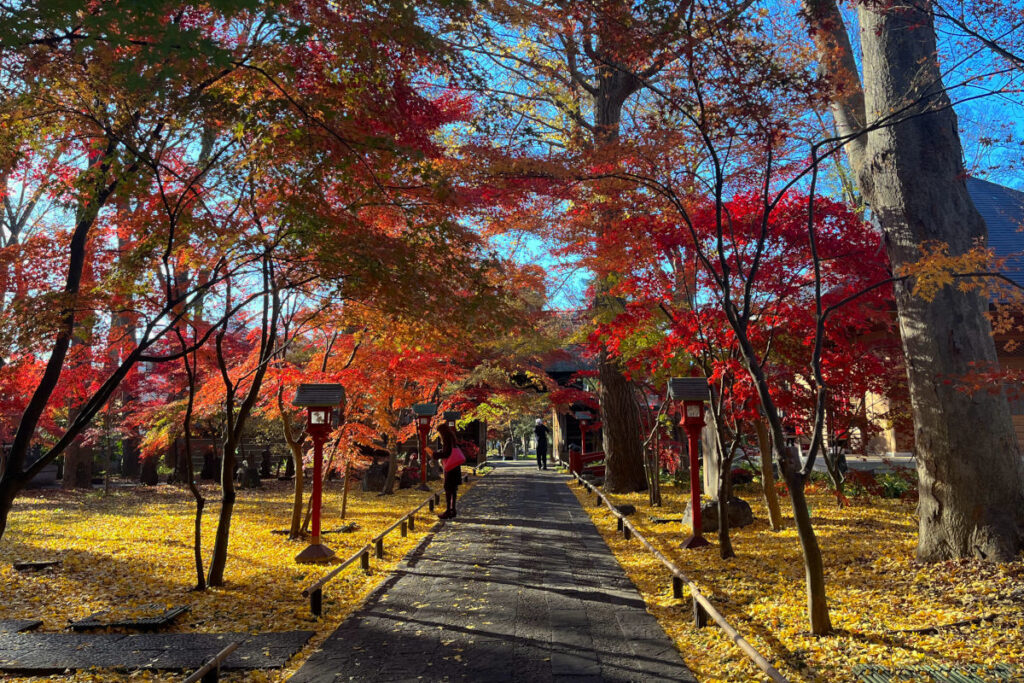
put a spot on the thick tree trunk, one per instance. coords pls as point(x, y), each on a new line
point(912, 175)
point(971, 486)
point(77, 467)
point(620, 416)
point(620, 431)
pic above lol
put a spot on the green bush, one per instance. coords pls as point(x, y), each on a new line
point(894, 484)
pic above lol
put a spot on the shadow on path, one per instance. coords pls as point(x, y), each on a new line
point(519, 587)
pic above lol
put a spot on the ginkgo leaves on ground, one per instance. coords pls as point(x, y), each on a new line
point(130, 553)
point(880, 597)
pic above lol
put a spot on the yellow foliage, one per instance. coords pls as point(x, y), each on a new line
point(875, 590)
point(133, 548)
point(937, 269)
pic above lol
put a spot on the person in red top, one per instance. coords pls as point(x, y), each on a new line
point(453, 476)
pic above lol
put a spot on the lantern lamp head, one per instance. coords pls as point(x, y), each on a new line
point(583, 416)
point(423, 413)
point(320, 402)
point(693, 392)
point(451, 417)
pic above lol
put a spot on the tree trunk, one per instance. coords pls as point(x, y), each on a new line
point(771, 496)
point(725, 549)
point(723, 455)
point(389, 480)
point(295, 447)
point(711, 476)
point(295, 529)
point(912, 175)
point(186, 473)
point(234, 424)
point(9, 487)
point(620, 431)
point(227, 506)
point(13, 480)
point(77, 467)
point(789, 462)
point(620, 416)
point(814, 567)
point(344, 490)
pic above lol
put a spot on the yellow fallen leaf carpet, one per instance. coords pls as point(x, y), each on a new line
point(875, 590)
point(131, 550)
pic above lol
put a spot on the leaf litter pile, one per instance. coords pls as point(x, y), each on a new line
point(884, 605)
point(129, 554)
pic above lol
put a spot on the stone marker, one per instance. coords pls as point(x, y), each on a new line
point(740, 515)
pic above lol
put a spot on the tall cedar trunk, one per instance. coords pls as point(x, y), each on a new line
point(771, 496)
point(620, 416)
point(912, 175)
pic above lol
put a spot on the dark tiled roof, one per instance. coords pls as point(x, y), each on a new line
point(425, 409)
point(318, 395)
point(568, 361)
point(688, 389)
point(1003, 211)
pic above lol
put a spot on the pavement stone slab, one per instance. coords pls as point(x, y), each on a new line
point(42, 653)
point(19, 625)
point(519, 587)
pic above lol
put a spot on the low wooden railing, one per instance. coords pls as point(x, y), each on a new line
point(407, 522)
point(702, 606)
point(210, 672)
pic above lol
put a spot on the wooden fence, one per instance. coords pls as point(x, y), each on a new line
point(702, 606)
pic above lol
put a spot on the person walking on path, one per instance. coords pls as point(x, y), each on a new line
point(541, 430)
point(452, 459)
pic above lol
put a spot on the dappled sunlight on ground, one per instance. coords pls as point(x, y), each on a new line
point(875, 589)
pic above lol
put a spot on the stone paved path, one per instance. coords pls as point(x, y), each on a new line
point(521, 587)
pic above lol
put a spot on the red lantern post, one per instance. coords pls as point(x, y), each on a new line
point(693, 392)
point(319, 401)
point(423, 413)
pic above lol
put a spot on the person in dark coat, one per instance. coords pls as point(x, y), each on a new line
point(453, 477)
point(542, 430)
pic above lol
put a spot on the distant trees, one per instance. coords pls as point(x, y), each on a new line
point(200, 168)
